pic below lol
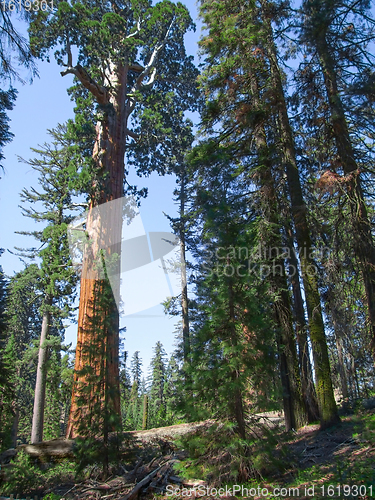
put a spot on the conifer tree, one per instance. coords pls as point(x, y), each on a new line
point(7, 99)
point(8, 404)
point(157, 409)
point(337, 36)
point(125, 388)
point(239, 109)
point(65, 389)
point(15, 52)
point(254, 61)
point(181, 227)
point(7, 372)
point(23, 324)
point(54, 164)
point(134, 403)
point(52, 405)
point(136, 368)
point(130, 54)
point(326, 401)
point(229, 340)
point(172, 392)
point(13, 47)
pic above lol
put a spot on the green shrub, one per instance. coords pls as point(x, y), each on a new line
point(26, 476)
point(52, 496)
point(218, 455)
point(23, 476)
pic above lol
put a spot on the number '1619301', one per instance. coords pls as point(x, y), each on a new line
point(28, 5)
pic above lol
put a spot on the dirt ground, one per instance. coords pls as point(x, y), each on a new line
point(148, 479)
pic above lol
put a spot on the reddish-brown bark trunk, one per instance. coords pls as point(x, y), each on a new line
point(98, 323)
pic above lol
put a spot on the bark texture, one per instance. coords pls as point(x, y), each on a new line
point(326, 401)
point(363, 244)
point(40, 386)
point(98, 323)
point(294, 405)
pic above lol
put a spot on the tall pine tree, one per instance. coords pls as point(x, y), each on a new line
point(53, 207)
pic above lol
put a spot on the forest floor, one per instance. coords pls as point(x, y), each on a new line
point(307, 464)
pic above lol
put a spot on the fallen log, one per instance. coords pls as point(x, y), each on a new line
point(7, 455)
point(58, 448)
point(171, 432)
point(63, 448)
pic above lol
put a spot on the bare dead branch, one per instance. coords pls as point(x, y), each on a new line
point(136, 32)
point(134, 492)
point(150, 66)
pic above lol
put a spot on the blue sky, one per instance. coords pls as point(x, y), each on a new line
point(39, 107)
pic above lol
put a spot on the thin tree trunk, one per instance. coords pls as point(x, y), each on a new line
point(15, 424)
point(290, 421)
point(236, 403)
point(326, 401)
point(363, 243)
point(294, 406)
point(308, 387)
point(356, 378)
point(341, 365)
point(184, 294)
point(145, 412)
point(40, 386)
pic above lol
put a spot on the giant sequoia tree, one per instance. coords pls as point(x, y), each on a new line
point(129, 55)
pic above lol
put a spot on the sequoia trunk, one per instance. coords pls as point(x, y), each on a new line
point(96, 377)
